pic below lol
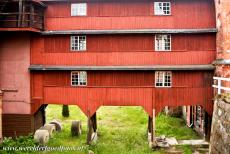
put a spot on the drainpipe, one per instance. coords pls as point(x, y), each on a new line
point(1, 94)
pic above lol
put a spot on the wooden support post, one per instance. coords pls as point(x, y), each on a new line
point(19, 13)
point(94, 120)
point(24, 18)
point(92, 129)
point(150, 125)
point(31, 15)
point(208, 125)
point(151, 131)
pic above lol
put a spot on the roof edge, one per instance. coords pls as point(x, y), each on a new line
point(120, 68)
point(131, 31)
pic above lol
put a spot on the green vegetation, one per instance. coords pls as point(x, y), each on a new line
point(174, 127)
point(120, 130)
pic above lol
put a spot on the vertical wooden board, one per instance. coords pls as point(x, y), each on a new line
point(56, 78)
point(37, 49)
point(186, 14)
point(37, 90)
point(125, 58)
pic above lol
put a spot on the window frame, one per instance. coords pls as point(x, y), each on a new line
point(170, 42)
point(77, 48)
point(75, 13)
point(79, 80)
point(162, 14)
point(163, 79)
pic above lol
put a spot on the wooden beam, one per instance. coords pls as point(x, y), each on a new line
point(23, 24)
point(153, 135)
point(19, 13)
point(31, 15)
point(94, 120)
point(121, 68)
point(92, 129)
point(132, 31)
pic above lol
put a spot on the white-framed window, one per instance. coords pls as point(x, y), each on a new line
point(78, 78)
point(78, 43)
point(79, 9)
point(162, 8)
point(163, 42)
point(163, 79)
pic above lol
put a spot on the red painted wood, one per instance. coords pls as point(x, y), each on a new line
point(131, 43)
point(125, 88)
point(115, 14)
point(125, 58)
point(113, 88)
point(115, 50)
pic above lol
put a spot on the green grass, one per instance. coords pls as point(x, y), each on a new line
point(174, 127)
point(121, 130)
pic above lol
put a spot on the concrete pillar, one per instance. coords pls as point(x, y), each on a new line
point(1, 94)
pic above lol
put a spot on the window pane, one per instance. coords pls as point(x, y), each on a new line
point(163, 78)
point(162, 8)
point(78, 9)
point(78, 43)
point(163, 42)
point(79, 78)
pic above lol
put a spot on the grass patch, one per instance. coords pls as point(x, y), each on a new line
point(174, 127)
point(120, 130)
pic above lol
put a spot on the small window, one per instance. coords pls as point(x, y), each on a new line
point(162, 8)
point(79, 9)
point(79, 78)
point(78, 43)
point(163, 42)
point(163, 79)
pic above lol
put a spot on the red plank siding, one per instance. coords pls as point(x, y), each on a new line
point(125, 58)
point(128, 89)
point(115, 50)
point(134, 42)
point(115, 14)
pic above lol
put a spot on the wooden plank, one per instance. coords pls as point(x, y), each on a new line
point(131, 31)
point(153, 133)
point(24, 20)
point(20, 5)
point(121, 68)
point(31, 15)
point(114, 15)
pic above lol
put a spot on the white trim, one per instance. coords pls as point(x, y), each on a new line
point(78, 84)
point(79, 46)
point(157, 12)
point(219, 87)
point(78, 9)
point(170, 42)
point(163, 79)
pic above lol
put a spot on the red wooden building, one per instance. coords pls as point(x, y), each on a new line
point(92, 53)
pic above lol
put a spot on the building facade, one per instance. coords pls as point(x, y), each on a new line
point(105, 53)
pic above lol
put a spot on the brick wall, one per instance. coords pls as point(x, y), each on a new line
point(223, 37)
